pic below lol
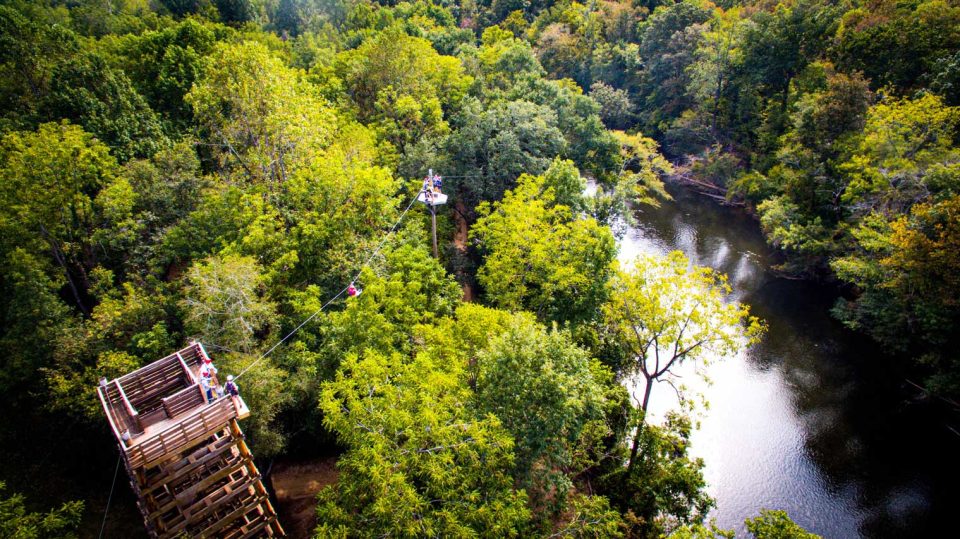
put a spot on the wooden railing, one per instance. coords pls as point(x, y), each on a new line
point(146, 382)
point(126, 402)
point(183, 400)
point(186, 369)
point(197, 425)
point(137, 400)
point(157, 379)
point(115, 424)
point(121, 414)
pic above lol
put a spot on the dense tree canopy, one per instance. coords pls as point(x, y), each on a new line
point(16, 521)
point(542, 388)
point(541, 255)
point(417, 462)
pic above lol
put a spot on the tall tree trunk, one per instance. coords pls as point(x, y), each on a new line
point(62, 261)
point(716, 105)
point(785, 96)
point(635, 448)
point(784, 102)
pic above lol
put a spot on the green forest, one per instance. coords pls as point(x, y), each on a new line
point(221, 170)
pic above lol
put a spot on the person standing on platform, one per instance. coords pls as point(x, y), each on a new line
point(208, 378)
point(209, 387)
point(230, 388)
point(428, 190)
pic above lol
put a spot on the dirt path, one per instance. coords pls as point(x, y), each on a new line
point(460, 242)
point(296, 485)
point(460, 237)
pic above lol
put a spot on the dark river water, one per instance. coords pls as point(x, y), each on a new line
point(813, 419)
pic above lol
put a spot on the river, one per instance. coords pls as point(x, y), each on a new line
point(813, 419)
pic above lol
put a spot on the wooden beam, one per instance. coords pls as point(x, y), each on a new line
point(180, 469)
point(186, 369)
point(126, 401)
point(205, 507)
point(247, 506)
point(109, 411)
point(176, 500)
point(203, 351)
point(255, 531)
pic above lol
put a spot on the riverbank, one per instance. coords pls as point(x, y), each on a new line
point(814, 419)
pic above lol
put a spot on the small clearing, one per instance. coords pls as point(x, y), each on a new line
point(297, 485)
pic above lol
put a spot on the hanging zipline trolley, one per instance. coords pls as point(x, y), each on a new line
point(189, 466)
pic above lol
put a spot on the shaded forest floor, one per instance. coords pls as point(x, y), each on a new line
point(296, 485)
point(460, 236)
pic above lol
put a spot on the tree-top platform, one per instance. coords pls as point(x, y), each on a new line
point(189, 466)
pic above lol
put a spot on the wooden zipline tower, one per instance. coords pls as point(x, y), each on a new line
point(187, 460)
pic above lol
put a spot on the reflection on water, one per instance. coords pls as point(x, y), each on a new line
point(812, 419)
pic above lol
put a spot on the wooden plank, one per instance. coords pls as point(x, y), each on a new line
point(186, 466)
point(152, 394)
point(180, 499)
point(130, 409)
point(146, 373)
point(199, 424)
point(265, 521)
point(154, 387)
point(151, 372)
point(189, 355)
point(187, 370)
point(224, 466)
point(230, 467)
point(242, 411)
point(142, 382)
point(148, 381)
point(248, 505)
point(183, 400)
point(205, 506)
point(108, 410)
point(194, 424)
point(152, 418)
point(223, 496)
point(157, 393)
point(132, 419)
point(121, 415)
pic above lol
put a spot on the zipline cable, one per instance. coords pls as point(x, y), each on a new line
point(224, 348)
point(103, 525)
point(340, 293)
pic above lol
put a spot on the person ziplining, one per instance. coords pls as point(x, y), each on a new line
point(431, 194)
point(353, 291)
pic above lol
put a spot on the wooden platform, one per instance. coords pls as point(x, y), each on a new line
point(189, 466)
point(438, 199)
